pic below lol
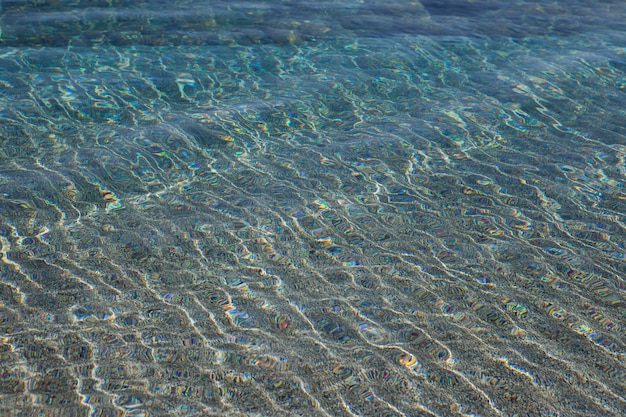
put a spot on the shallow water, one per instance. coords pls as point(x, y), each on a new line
point(328, 208)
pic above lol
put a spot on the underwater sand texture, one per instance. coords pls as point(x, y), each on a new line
point(312, 209)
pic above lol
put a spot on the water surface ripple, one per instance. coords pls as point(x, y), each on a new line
point(312, 209)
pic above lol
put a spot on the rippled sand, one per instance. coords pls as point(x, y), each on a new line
point(314, 219)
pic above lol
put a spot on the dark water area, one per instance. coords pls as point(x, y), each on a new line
point(332, 208)
point(120, 23)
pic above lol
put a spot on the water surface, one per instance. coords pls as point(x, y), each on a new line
point(331, 208)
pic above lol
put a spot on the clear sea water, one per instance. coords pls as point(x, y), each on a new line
point(298, 208)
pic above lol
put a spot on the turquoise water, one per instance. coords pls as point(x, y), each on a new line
point(332, 208)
